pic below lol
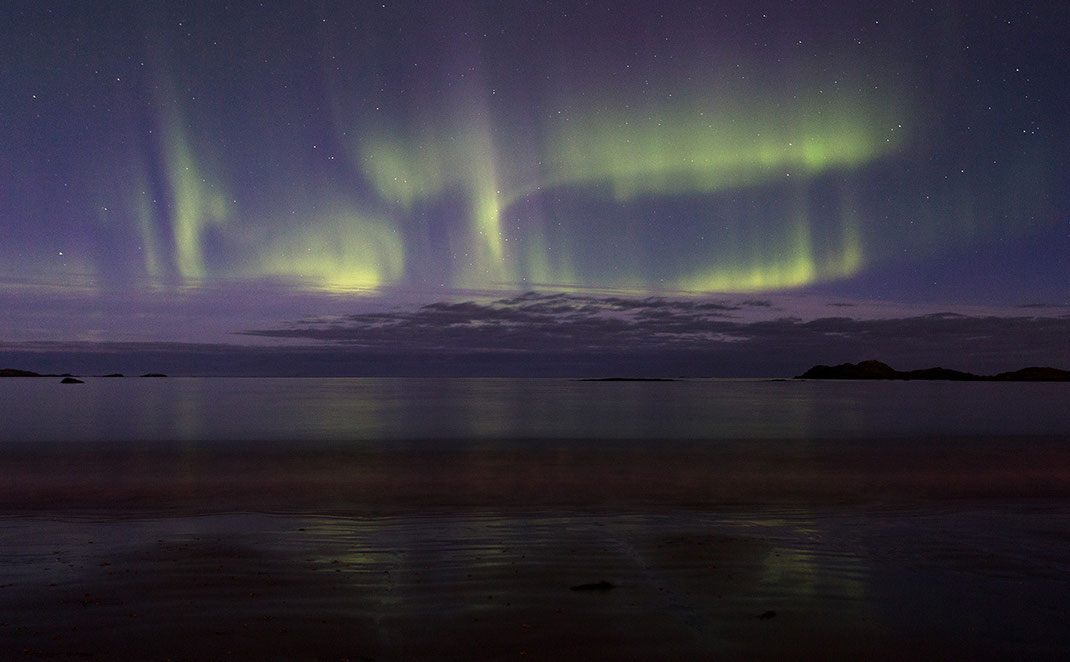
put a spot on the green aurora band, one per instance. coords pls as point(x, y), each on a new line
point(428, 150)
point(616, 158)
point(625, 157)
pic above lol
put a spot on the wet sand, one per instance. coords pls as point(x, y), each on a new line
point(201, 477)
point(474, 554)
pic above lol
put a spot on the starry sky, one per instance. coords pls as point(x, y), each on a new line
point(537, 187)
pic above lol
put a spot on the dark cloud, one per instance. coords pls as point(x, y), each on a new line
point(578, 335)
point(622, 329)
point(531, 322)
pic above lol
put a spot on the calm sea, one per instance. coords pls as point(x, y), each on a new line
point(336, 444)
point(352, 411)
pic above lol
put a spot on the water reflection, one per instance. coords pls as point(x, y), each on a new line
point(773, 582)
point(713, 573)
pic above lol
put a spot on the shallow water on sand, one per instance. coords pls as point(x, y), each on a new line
point(977, 582)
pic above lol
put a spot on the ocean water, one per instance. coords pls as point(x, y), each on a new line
point(363, 411)
point(341, 443)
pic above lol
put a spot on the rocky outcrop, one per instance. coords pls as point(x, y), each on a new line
point(12, 372)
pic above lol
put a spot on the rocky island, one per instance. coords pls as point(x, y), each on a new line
point(878, 370)
point(627, 379)
point(14, 372)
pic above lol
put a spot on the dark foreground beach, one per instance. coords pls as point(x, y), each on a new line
point(565, 550)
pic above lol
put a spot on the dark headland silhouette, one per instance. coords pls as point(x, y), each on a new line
point(878, 370)
point(862, 370)
point(14, 372)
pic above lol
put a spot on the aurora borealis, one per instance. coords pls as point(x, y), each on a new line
point(188, 172)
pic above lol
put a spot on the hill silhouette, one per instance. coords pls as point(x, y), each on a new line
point(877, 370)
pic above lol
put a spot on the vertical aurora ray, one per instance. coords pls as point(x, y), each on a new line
point(850, 258)
point(489, 261)
point(546, 267)
point(447, 159)
point(197, 203)
point(173, 191)
point(141, 206)
point(809, 243)
point(151, 248)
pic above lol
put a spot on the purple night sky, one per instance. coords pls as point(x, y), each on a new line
point(533, 188)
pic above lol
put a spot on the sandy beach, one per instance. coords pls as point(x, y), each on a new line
point(491, 555)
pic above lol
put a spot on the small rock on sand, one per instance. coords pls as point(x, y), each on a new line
point(596, 586)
